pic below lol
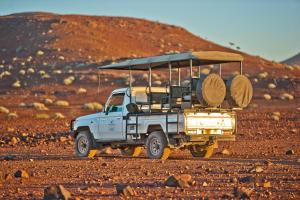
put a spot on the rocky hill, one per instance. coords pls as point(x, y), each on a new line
point(294, 60)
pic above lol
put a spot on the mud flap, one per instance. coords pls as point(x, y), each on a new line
point(92, 153)
point(137, 151)
point(166, 153)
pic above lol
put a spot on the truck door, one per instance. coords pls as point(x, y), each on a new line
point(111, 123)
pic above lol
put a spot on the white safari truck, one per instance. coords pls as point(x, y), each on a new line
point(177, 116)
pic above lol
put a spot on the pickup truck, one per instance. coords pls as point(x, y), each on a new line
point(161, 119)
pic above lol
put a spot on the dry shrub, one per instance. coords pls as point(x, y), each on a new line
point(4, 110)
point(58, 116)
point(92, 106)
point(12, 115)
point(38, 106)
point(61, 103)
point(42, 116)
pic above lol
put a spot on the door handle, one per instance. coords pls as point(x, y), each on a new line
point(118, 118)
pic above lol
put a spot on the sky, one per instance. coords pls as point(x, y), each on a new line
point(268, 28)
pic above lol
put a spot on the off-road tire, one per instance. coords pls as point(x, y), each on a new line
point(202, 151)
point(156, 144)
point(83, 144)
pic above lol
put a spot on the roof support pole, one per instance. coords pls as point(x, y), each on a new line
point(170, 74)
point(130, 78)
point(220, 70)
point(191, 79)
point(150, 84)
point(179, 81)
point(199, 71)
point(241, 68)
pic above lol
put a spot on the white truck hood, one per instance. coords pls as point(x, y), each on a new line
point(85, 117)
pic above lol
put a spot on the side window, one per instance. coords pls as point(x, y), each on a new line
point(116, 103)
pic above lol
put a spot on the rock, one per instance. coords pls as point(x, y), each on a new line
point(8, 177)
point(276, 113)
point(181, 181)
point(22, 72)
point(21, 174)
point(256, 169)
point(242, 193)
point(267, 184)
point(39, 53)
point(30, 71)
point(56, 193)
point(13, 141)
point(246, 179)
point(81, 91)
point(61, 58)
point(125, 190)
point(225, 152)
point(263, 75)
point(271, 86)
point(290, 152)
point(275, 117)
point(286, 96)
point(204, 184)
point(267, 97)
point(4, 110)
point(63, 139)
point(16, 84)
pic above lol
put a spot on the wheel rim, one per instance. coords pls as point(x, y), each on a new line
point(82, 145)
point(155, 146)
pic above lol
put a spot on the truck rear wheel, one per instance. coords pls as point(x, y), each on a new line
point(156, 144)
point(83, 144)
point(202, 151)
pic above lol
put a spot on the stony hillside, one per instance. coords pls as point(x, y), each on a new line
point(294, 60)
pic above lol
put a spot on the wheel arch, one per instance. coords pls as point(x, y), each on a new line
point(157, 127)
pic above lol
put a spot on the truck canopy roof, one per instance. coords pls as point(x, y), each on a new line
point(180, 60)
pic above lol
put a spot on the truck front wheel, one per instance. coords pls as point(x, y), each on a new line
point(83, 144)
point(156, 145)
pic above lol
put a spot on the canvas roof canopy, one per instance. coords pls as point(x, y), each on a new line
point(177, 60)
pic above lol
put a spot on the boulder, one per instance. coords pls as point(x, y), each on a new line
point(181, 181)
point(57, 192)
point(125, 190)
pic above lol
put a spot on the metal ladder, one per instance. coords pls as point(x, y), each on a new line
point(132, 124)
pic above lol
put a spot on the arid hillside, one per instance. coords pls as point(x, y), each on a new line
point(294, 60)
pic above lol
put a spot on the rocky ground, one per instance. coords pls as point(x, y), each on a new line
point(264, 162)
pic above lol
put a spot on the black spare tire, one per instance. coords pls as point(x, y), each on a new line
point(239, 91)
point(211, 90)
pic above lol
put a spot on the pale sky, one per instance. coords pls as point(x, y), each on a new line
point(269, 28)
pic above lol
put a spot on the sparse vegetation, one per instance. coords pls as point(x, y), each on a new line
point(4, 110)
point(42, 116)
point(61, 103)
point(92, 106)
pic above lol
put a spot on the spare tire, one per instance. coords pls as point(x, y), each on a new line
point(239, 91)
point(211, 90)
